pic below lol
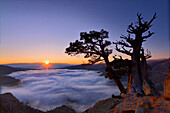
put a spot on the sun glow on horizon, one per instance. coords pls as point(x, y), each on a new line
point(47, 62)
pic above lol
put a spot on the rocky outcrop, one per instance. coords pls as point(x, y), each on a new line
point(9, 81)
point(167, 86)
point(146, 104)
point(104, 105)
point(131, 104)
point(10, 104)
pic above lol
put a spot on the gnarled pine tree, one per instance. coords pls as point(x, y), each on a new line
point(133, 46)
point(95, 46)
point(121, 67)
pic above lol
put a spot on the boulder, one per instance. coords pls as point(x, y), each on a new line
point(104, 106)
point(167, 86)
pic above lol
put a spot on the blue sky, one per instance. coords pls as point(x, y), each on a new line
point(39, 30)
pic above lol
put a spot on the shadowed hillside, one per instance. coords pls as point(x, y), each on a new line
point(7, 80)
point(4, 70)
point(158, 72)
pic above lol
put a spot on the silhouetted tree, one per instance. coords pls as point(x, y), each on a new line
point(120, 67)
point(132, 45)
point(95, 46)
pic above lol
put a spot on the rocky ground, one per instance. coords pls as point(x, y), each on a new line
point(10, 104)
point(131, 104)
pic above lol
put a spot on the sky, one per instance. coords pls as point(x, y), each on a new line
point(40, 30)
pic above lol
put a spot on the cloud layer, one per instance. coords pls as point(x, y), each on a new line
point(46, 90)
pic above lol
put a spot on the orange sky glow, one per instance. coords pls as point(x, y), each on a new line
point(53, 59)
point(34, 31)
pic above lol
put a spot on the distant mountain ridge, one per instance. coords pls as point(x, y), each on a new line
point(38, 65)
point(100, 66)
point(66, 66)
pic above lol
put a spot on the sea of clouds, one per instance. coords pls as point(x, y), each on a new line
point(47, 89)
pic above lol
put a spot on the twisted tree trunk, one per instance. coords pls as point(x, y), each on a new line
point(129, 84)
point(117, 81)
point(141, 83)
point(139, 66)
point(147, 85)
point(136, 86)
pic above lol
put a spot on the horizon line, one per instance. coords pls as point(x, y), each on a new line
point(65, 63)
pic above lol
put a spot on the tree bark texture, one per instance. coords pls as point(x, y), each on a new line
point(117, 81)
point(148, 88)
point(129, 83)
point(136, 86)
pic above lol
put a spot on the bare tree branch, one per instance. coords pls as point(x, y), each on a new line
point(154, 16)
point(146, 55)
point(123, 51)
point(122, 42)
point(149, 35)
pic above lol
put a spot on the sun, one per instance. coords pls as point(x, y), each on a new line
point(47, 62)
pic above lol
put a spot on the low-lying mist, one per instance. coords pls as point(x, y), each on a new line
point(47, 89)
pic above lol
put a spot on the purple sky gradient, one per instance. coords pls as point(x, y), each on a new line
point(39, 30)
